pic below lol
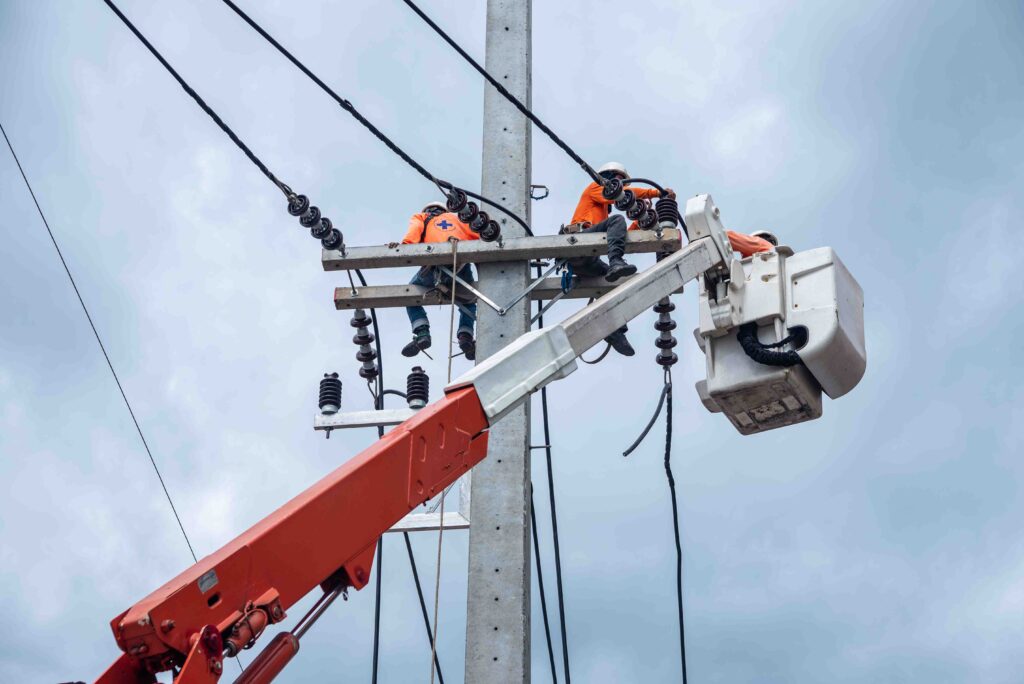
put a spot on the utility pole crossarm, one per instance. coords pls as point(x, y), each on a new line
point(576, 246)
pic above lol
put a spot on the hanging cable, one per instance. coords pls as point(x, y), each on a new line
point(540, 586)
point(376, 610)
point(444, 186)
point(554, 513)
point(675, 518)
point(103, 349)
point(379, 404)
point(320, 227)
point(506, 94)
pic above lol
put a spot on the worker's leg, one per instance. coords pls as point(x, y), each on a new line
point(615, 227)
point(418, 316)
point(467, 317)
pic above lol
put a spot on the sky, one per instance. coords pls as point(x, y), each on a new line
point(881, 542)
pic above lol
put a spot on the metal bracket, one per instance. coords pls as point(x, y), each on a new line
point(534, 196)
point(502, 310)
point(359, 419)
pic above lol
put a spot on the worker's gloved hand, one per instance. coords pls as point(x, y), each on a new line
point(670, 193)
point(392, 245)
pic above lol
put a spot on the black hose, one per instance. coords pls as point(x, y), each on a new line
point(376, 609)
point(761, 353)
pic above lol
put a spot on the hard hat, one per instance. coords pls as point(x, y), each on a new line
point(765, 235)
point(614, 167)
point(434, 205)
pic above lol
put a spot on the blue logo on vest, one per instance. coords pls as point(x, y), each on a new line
point(444, 225)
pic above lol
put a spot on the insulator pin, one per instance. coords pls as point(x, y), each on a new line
point(612, 189)
point(297, 205)
point(330, 394)
point(490, 232)
point(366, 355)
point(665, 341)
point(469, 212)
point(667, 210)
point(626, 200)
point(456, 200)
point(417, 388)
point(311, 217)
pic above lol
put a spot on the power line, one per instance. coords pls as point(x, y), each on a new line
point(504, 91)
point(554, 514)
point(540, 586)
point(675, 519)
point(103, 349)
point(442, 185)
point(202, 103)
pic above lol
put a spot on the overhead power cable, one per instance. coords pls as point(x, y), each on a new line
point(201, 102)
point(442, 185)
point(554, 513)
point(506, 94)
point(106, 356)
point(540, 586)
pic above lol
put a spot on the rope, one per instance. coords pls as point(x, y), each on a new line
point(103, 348)
point(506, 94)
point(202, 103)
point(451, 320)
point(540, 585)
point(442, 185)
point(554, 513)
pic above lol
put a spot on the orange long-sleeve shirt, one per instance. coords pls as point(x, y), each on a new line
point(594, 208)
point(440, 228)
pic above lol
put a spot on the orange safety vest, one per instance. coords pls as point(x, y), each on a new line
point(747, 245)
point(437, 229)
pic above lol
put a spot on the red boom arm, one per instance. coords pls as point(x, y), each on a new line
point(325, 535)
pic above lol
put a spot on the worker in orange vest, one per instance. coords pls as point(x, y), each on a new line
point(593, 215)
point(436, 224)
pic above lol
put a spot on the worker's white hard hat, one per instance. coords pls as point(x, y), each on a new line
point(616, 167)
point(765, 235)
point(431, 205)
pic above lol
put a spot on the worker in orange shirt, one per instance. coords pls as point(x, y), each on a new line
point(593, 215)
point(436, 224)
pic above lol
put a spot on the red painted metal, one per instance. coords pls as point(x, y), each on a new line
point(323, 536)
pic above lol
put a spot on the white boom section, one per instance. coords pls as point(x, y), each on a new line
point(506, 379)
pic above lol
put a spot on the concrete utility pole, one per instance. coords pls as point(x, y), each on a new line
point(498, 619)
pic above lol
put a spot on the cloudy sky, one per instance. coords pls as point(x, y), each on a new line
point(880, 543)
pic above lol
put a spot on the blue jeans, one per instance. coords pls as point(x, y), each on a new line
point(425, 277)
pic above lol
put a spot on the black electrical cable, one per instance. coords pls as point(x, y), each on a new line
point(554, 514)
point(650, 423)
point(540, 586)
point(506, 94)
point(202, 103)
point(376, 609)
point(442, 185)
point(645, 181)
point(423, 604)
point(103, 349)
point(764, 353)
point(675, 520)
point(379, 404)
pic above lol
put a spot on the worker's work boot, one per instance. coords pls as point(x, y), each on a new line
point(618, 268)
point(467, 344)
point(420, 341)
point(590, 267)
point(619, 342)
